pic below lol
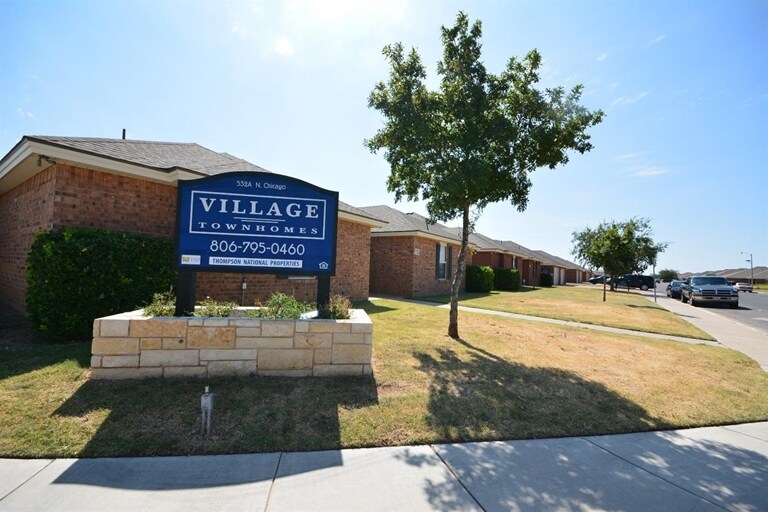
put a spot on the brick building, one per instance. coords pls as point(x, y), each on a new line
point(50, 183)
point(564, 271)
point(409, 257)
point(486, 251)
point(526, 261)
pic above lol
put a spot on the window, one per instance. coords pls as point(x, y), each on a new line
point(443, 258)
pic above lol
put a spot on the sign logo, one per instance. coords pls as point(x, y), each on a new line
point(256, 222)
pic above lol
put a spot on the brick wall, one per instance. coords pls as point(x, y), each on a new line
point(391, 267)
point(492, 259)
point(89, 198)
point(483, 258)
point(424, 281)
point(24, 210)
point(353, 249)
point(404, 266)
point(65, 195)
point(529, 271)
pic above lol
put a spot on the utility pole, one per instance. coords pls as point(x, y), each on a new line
point(751, 269)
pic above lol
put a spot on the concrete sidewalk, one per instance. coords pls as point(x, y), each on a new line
point(705, 469)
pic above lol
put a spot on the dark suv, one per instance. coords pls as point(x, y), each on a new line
point(635, 281)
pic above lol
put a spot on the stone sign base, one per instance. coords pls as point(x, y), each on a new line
point(132, 346)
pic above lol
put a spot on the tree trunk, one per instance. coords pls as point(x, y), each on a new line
point(453, 320)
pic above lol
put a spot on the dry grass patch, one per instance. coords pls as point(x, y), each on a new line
point(624, 310)
point(506, 379)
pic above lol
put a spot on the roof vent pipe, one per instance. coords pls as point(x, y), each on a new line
point(123, 133)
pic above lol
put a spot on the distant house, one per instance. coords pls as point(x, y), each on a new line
point(526, 261)
point(563, 271)
point(486, 251)
point(129, 185)
point(409, 256)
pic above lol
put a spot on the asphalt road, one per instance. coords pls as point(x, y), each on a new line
point(753, 308)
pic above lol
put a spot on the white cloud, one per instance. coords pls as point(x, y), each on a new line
point(631, 156)
point(624, 100)
point(657, 40)
point(650, 171)
point(602, 57)
point(25, 114)
point(284, 47)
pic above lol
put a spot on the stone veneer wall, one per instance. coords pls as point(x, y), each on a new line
point(131, 346)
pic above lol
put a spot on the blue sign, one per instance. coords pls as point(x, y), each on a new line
point(256, 222)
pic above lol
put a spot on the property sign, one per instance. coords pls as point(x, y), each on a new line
point(256, 222)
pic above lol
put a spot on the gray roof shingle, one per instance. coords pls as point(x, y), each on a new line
point(165, 156)
point(399, 222)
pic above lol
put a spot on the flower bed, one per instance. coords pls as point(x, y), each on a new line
point(132, 346)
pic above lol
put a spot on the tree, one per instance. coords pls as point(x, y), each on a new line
point(668, 274)
point(618, 247)
point(476, 139)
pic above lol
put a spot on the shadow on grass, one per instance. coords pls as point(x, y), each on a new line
point(259, 414)
point(476, 395)
point(480, 396)
point(372, 308)
point(23, 349)
point(21, 359)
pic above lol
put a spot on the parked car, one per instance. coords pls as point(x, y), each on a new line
point(709, 289)
point(597, 279)
point(635, 281)
point(674, 289)
point(743, 287)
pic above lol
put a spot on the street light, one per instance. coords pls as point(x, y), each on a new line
point(751, 269)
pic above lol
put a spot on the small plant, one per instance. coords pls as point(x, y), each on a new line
point(281, 305)
point(211, 307)
point(163, 304)
point(337, 308)
point(546, 280)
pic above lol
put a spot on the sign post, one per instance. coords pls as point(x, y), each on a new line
point(254, 222)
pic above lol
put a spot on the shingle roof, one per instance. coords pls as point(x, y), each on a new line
point(399, 222)
point(165, 156)
point(518, 249)
point(156, 155)
point(550, 259)
point(484, 243)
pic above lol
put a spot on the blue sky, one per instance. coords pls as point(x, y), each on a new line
point(284, 85)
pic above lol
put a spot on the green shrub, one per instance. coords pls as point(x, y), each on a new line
point(163, 304)
point(78, 274)
point(337, 308)
point(546, 280)
point(211, 307)
point(281, 305)
point(479, 278)
point(506, 279)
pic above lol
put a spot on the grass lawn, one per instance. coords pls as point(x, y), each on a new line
point(507, 379)
point(625, 310)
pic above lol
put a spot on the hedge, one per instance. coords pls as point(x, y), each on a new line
point(506, 279)
point(546, 280)
point(78, 274)
point(479, 278)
